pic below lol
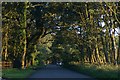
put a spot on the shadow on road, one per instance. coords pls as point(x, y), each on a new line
point(53, 72)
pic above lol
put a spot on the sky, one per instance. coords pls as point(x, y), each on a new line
point(117, 30)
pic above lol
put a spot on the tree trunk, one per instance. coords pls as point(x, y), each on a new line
point(113, 55)
point(105, 49)
point(97, 52)
point(82, 54)
point(24, 37)
point(114, 50)
point(118, 53)
point(6, 44)
point(89, 53)
point(33, 60)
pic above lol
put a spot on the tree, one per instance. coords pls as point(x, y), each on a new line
point(74, 30)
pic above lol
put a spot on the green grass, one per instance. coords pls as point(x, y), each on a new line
point(102, 72)
point(20, 73)
point(16, 73)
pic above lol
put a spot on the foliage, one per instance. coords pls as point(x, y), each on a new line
point(16, 73)
point(100, 72)
point(73, 31)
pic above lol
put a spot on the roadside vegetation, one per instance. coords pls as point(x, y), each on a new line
point(16, 73)
point(12, 73)
point(35, 33)
point(100, 72)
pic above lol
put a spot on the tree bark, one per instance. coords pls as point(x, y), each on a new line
point(6, 44)
point(105, 49)
point(24, 37)
point(118, 53)
point(113, 55)
point(97, 52)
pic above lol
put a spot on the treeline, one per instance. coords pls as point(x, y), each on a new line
point(24, 34)
point(93, 37)
point(77, 31)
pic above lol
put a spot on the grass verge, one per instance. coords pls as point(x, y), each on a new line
point(101, 72)
point(16, 73)
point(13, 73)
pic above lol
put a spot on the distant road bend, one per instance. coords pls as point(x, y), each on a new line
point(53, 71)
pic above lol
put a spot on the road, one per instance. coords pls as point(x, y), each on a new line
point(53, 71)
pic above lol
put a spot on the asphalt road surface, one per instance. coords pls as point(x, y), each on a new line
point(56, 72)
